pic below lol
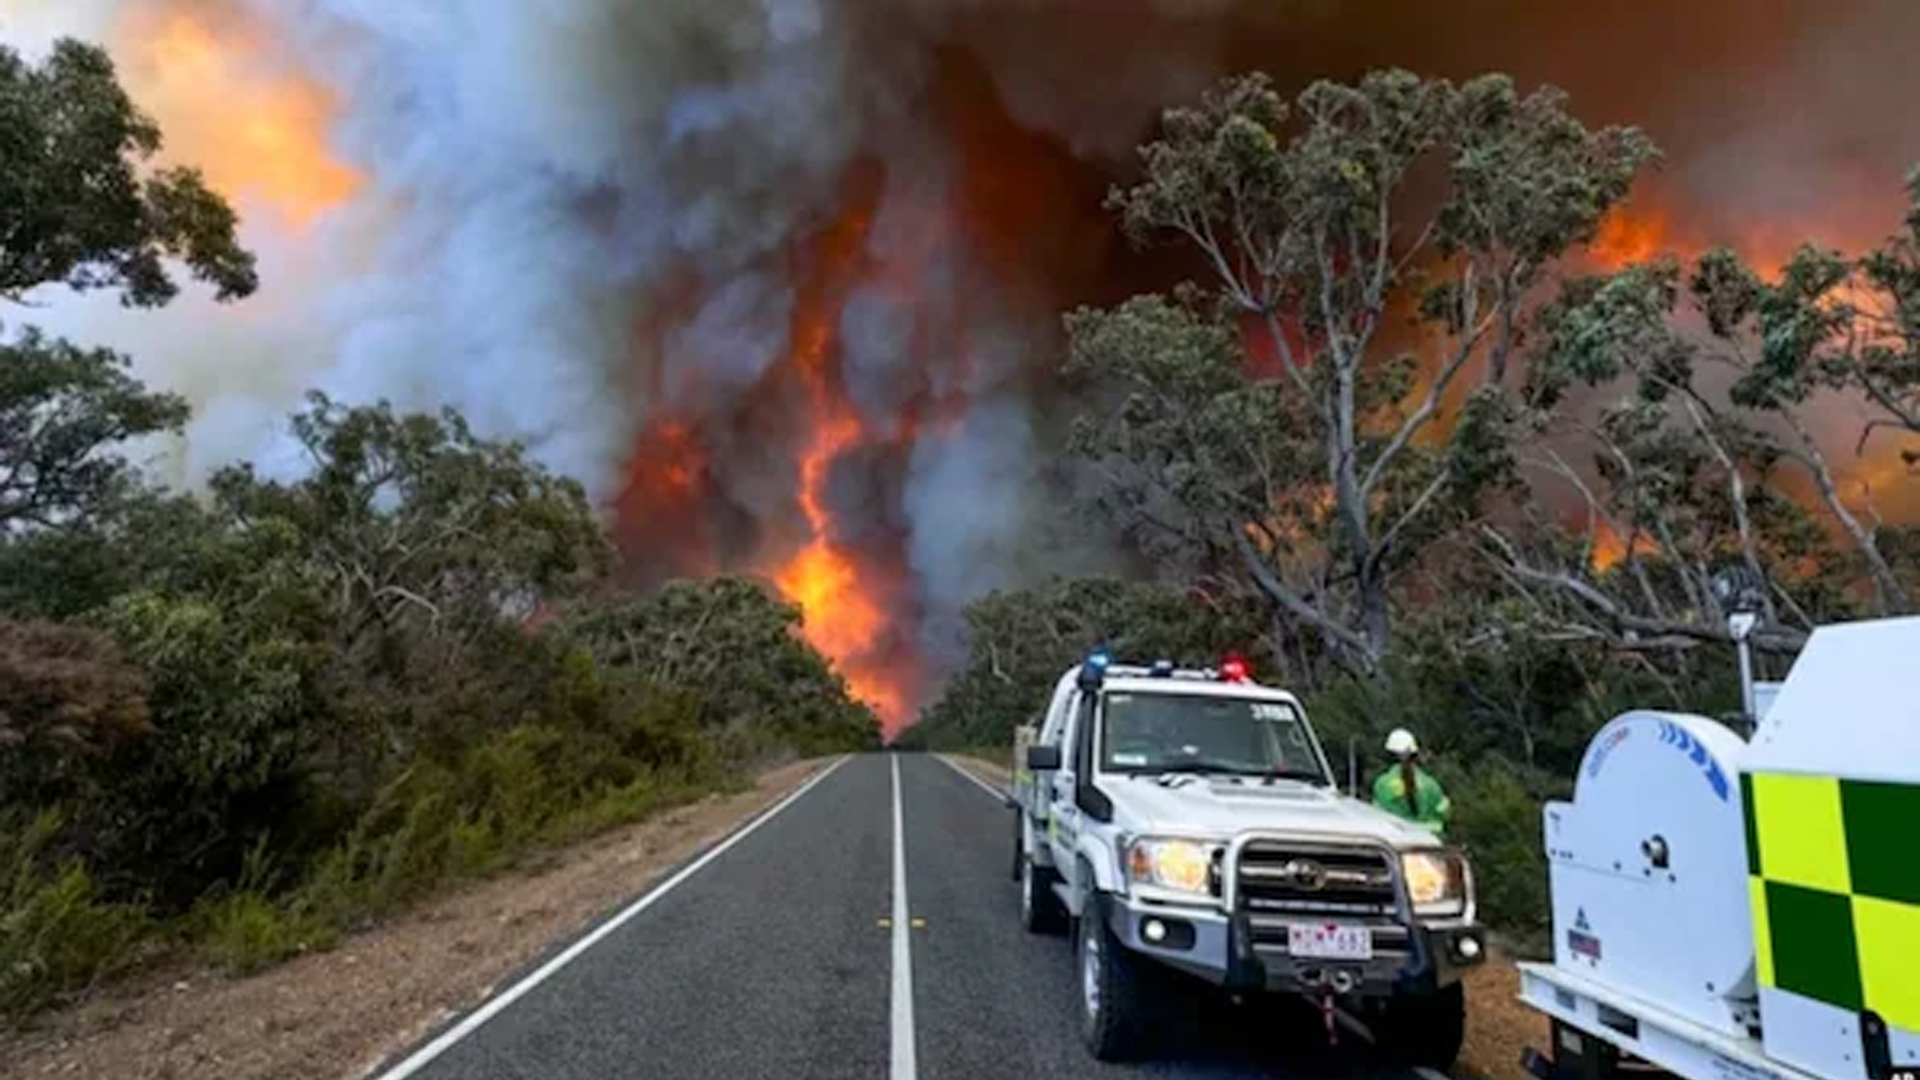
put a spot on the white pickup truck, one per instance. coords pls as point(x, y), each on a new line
point(1186, 821)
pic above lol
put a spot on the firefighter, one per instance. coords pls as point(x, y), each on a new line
point(1410, 791)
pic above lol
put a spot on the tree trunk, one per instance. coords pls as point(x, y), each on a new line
point(1374, 616)
point(1886, 584)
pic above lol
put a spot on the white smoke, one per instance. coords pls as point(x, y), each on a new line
point(531, 170)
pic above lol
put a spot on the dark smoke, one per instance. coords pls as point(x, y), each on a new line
point(592, 223)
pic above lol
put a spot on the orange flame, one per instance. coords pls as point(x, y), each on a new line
point(841, 618)
point(256, 129)
point(1630, 235)
point(1610, 549)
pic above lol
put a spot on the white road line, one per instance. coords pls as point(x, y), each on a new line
point(968, 773)
point(902, 1058)
point(494, 1005)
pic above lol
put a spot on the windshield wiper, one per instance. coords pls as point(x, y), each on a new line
point(1203, 766)
point(1307, 776)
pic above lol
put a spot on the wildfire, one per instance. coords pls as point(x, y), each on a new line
point(257, 130)
point(842, 619)
point(1630, 235)
point(1610, 549)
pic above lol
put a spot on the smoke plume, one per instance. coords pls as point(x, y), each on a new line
point(779, 279)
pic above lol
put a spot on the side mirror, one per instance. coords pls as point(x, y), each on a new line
point(1043, 758)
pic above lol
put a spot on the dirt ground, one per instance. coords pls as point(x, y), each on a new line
point(340, 1013)
point(1499, 1028)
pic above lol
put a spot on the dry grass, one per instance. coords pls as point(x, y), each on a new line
point(1499, 1028)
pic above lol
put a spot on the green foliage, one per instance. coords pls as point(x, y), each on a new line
point(1020, 642)
point(74, 208)
point(736, 647)
point(1283, 443)
point(64, 411)
point(1496, 818)
point(57, 934)
point(245, 931)
point(303, 705)
point(1691, 479)
point(254, 720)
point(235, 710)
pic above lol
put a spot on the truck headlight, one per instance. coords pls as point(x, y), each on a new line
point(1436, 882)
point(1170, 863)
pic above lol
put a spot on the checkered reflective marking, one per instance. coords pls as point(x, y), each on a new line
point(1834, 881)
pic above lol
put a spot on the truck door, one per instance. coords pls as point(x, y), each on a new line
point(1063, 815)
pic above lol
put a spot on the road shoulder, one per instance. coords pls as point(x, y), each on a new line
point(339, 1013)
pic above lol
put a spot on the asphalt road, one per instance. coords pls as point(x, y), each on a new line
point(774, 955)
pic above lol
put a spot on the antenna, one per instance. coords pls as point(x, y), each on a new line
point(1740, 596)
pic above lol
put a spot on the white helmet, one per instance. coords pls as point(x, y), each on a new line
point(1400, 743)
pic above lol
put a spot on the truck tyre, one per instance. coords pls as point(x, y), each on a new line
point(1040, 910)
point(1112, 989)
point(1424, 1030)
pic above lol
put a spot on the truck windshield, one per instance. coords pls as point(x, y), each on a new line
point(1160, 733)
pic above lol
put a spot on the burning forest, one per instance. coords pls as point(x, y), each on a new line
point(781, 280)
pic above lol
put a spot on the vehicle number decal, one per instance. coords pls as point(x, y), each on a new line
point(1267, 710)
point(1129, 759)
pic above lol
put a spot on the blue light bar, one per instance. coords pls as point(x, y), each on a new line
point(1093, 670)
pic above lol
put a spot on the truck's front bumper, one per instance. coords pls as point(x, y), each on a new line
point(1219, 948)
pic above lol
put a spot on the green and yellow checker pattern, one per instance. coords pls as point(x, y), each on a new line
point(1834, 877)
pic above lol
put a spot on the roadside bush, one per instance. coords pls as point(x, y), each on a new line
point(245, 931)
point(67, 698)
point(57, 934)
point(278, 712)
point(1497, 818)
point(531, 785)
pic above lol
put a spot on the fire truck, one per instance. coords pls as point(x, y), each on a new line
point(1183, 826)
point(1730, 906)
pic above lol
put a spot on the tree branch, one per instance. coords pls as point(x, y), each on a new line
point(1278, 591)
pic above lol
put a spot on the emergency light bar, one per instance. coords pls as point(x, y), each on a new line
point(1099, 666)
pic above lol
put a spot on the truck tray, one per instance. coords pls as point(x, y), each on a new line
point(1651, 1034)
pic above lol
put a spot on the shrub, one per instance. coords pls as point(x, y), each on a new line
point(56, 933)
point(245, 931)
point(66, 699)
point(1497, 818)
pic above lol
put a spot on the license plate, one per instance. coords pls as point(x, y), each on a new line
point(1330, 941)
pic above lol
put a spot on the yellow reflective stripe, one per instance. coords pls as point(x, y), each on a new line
point(1803, 837)
point(1762, 931)
point(1889, 940)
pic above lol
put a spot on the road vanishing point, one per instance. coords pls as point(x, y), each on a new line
point(866, 925)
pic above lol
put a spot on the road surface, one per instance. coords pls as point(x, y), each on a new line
point(775, 956)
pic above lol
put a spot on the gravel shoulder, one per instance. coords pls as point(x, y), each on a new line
point(1499, 1028)
point(341, 1013)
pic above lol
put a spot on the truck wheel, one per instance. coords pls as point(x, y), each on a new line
point(1112, 990)
point(1040, 910)
point(1424, 1030)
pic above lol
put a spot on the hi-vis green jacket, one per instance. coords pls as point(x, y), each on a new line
point(1430, 807)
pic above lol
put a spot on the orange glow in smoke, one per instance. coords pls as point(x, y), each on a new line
point(257, 130)
point(1610, 548)
point(1629, 235)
